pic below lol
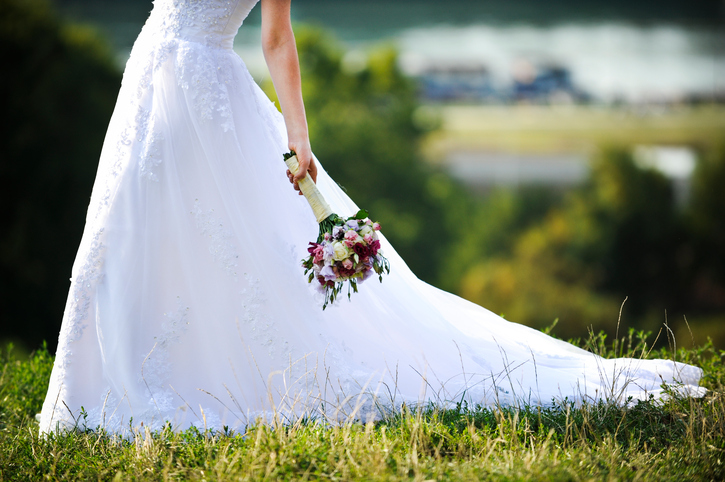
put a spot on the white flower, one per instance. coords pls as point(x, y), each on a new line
point(328, 253)
point(366, 230)
point(340, 250)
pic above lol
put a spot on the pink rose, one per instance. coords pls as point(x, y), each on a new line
point(376, 226)
point(368, 239)
point(347, 264)
point(374, 247)
point(318, 253)
point(361, 250)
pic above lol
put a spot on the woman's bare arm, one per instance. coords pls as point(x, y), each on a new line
point(280, 53)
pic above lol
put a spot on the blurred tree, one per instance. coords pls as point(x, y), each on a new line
point(491, 227)
point(522, 290)
point(706, 216)
point(617, 236)
point(361, 111)
point(59, 87)
point(626, 229)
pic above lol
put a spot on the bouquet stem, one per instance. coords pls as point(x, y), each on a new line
point(322, 211)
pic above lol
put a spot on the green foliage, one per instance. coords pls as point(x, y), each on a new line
point(363, 129)
point(489, 229)
point(522, 290)
point(619, 236)
point(677, 439)
point(60, 86)
point(706, 216)
point(630, 228)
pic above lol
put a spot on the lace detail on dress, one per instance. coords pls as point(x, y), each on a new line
point(221, 244)
point(204, 21)
point(155, 367)
point(200, 33)
point(205, 75)
point(262, 330)
point(80, 298)
point(141, 135)
point(137, 138)
point(150, 156)
point(82, 286)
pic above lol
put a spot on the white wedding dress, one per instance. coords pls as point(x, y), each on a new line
point(188, 303)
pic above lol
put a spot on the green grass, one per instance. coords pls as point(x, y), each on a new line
point(679, 439)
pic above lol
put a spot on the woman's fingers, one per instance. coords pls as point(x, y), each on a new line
point(294, 183)
point(306, 163)
point(304, 168)
point(312, 169)
point(304, 158)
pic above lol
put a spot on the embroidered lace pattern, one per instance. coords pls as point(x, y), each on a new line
point(206, 74)
point(205, 20)
point(80, 296)
point(155, 367)
point(150, 144)
point(263, 331)
point(221, 240)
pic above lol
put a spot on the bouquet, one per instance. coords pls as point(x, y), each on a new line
point(347, 250)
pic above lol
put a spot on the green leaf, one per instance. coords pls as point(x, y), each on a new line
point(362, 214)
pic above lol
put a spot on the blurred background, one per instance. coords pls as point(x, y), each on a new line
point(547, 160)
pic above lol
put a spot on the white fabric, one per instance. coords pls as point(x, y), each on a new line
point(188, 302)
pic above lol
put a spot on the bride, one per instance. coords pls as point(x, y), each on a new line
point(188, 304)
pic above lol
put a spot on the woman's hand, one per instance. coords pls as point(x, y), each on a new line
point(306, 161)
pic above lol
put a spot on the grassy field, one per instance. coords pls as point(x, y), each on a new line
point(568, 129)
point(680, 439)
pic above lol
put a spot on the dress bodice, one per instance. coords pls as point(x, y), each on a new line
point(211, 22)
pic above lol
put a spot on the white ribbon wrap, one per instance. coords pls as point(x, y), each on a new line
point(318, 204)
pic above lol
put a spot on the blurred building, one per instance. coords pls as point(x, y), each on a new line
point(547, 83)
point(457, 83)
point(462, 82)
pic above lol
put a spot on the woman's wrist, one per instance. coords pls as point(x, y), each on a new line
point(298, 136)
point(299, 143)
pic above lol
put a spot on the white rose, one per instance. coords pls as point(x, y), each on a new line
point(341, 251)
point(366, 230)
